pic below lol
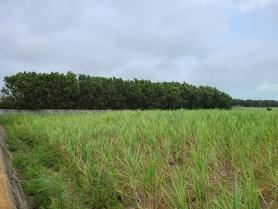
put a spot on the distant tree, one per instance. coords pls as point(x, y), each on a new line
point(254, 103)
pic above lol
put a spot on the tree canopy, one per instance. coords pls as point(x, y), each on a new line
point(30, 90)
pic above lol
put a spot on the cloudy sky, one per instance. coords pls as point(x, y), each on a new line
point(229, 44)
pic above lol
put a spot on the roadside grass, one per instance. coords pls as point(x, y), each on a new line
point(147, 159)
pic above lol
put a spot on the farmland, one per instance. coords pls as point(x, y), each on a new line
point(146, 159)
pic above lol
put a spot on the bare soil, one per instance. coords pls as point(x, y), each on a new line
point(11, 195)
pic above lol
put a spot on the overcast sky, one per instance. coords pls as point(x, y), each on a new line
point(229, 44)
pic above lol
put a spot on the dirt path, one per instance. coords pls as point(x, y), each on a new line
point(11, 195)
point(5, 199)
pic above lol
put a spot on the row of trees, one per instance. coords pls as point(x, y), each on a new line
point(254, 103)
point(30, 90)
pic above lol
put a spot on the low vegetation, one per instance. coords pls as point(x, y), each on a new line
point(147, 159)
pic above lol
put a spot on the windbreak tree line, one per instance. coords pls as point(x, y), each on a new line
point(30, 90)
point(255, 103)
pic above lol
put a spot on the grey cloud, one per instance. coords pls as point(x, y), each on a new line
point(97, 33)
point(266, 86)
point(151, 39)
point(239, 68)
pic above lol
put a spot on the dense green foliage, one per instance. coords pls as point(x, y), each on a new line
point(255, 103)
point(147, 159)
point(30, 90)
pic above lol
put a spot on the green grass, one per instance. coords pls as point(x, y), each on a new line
point(147, 159)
